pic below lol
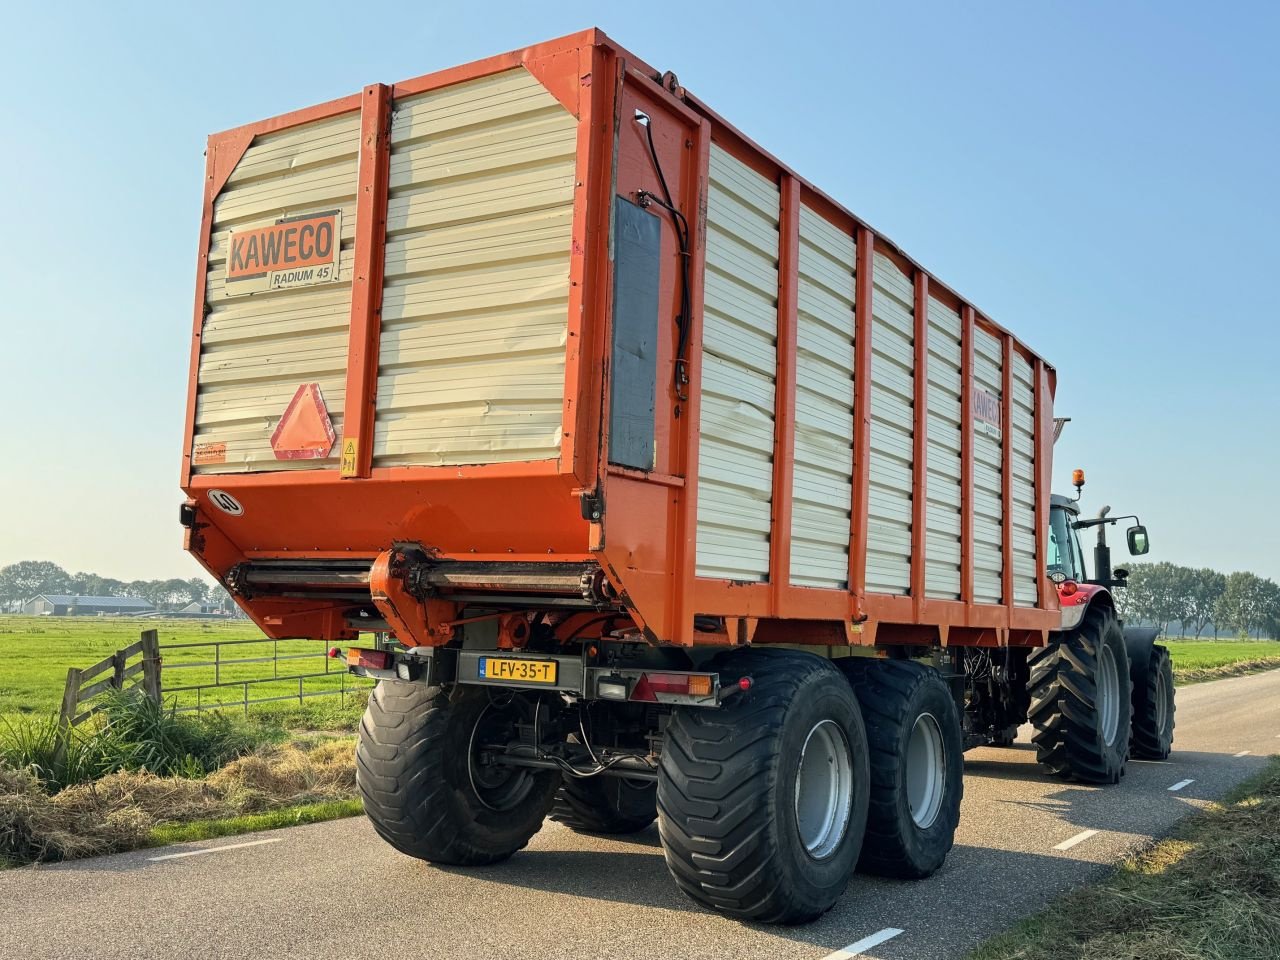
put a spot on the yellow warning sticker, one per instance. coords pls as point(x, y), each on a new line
point(349, 451)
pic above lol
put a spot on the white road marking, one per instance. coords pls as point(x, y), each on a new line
point(229, 846)
point(1080, 837)
point(1180, 784)
point(863, 945)
point(1242, 753)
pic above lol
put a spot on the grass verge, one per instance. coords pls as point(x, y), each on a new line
point(253, 822)
point(1209, 892)
point(123, 810)
point(1238, 668)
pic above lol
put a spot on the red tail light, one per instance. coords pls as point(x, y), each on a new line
point(650, 685)
point(371, 659)
point(1068, 588)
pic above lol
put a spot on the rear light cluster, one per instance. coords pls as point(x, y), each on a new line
point(649, 685)
point(369, 659)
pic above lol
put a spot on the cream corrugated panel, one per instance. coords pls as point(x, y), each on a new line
point(892, 429)
point(823, 480)
point(942, 509)
point(1026, 577)
point(988, 515)
point(475, 306)
point(739, 366)
point(256, 349)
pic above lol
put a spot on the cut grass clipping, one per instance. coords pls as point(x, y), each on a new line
point(274, 786)
point(1210, 892)
point(139, 774)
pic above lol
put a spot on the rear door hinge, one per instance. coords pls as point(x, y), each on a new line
point(592, 502)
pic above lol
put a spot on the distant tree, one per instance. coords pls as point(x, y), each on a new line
point(1207, 588)
point(138, 588)
point(28, 578)
point(199, 589)
point(171, 594)
point(1249, 603)
point(1158, 593)
point(88, 584)
point(1270, 615)
point(1136, 602)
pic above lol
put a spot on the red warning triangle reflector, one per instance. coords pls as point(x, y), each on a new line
point(305, 432)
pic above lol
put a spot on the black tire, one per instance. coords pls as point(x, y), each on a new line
point(420, 790)
point(1153, 708)
point(607, 805)
point(1069, 736)
point(727, 813)
point(894, 695)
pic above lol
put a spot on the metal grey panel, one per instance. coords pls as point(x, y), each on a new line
point(475, 303)
point(1026, 569)
point(259, 346)
point(739, 367)
point(988, 515)
point(823, 478)
point(892, 429)
point(637, 241)
point(942, 526)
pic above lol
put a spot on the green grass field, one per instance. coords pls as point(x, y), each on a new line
point(1195, 661)
point(35, 653)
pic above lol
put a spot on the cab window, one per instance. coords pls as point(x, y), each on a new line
point(1064, 547)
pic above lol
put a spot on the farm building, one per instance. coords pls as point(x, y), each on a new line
point(63, 605)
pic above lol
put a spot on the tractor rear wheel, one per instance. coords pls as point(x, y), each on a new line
point(1153, 708)
point(1080, 700)
point(917, 765)
point(609, 805)
point(762, 803)
point(425, 789)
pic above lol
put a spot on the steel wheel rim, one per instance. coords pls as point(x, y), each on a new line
point(1108, 687)
point(824, 789)
point(1162, 703)
point(926, 771)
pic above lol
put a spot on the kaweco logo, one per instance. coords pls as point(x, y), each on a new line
point(293, 252)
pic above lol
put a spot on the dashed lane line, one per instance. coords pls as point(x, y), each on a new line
point(863, 945)
point(1180, 784)
point(228, 846)
point(1080, 837)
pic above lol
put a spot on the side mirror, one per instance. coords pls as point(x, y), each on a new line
point(1137, 536)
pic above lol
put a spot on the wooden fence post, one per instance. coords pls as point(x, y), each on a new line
point(151, 664)
point(70, 697)
point(117, 671)
point(70, 703)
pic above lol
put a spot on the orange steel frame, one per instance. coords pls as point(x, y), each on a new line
point(646, 540)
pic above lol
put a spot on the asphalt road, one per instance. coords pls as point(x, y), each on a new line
point(334, 890)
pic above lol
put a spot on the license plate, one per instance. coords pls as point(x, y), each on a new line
point(520, 671)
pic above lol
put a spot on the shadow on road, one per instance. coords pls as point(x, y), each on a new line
point(634, 874)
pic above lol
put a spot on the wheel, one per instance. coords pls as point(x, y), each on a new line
point(424, 788)
point(606, 804)
point(762, 803)
point(1080, 701)
point(1153, 708)
point(917, 765)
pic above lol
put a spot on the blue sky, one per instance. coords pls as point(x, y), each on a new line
point(1099, 177)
